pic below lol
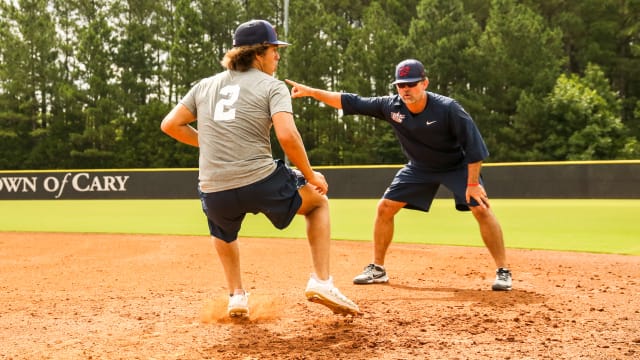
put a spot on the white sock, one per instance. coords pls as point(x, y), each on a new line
point(329, 281)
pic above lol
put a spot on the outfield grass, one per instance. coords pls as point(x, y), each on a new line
point(606, 226)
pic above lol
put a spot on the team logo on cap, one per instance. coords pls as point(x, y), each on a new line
point(404, 71)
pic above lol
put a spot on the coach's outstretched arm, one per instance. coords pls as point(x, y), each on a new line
point(331, 98)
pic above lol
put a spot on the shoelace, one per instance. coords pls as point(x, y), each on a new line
point(370, 269)
point(503, 275)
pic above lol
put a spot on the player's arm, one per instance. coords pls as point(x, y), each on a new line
point(176, 125)
point(474, 188)
point(292, 145)
point(330, 98)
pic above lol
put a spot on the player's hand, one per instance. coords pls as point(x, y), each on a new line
point(319, 183)
point(479, 194)
point(298, 90)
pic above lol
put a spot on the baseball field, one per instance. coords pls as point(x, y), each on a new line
point(140, 280)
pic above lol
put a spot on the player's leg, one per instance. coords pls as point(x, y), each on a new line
point(285, 194)
point(229, 255)
point(224, 218)
point(320, 288)
point(315, 209)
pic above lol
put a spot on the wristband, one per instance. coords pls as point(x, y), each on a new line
point(474, 184)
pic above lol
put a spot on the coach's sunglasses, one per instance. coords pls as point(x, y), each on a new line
point(407, 85)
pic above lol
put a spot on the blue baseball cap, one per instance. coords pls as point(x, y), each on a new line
point(254, 32)
point(409, 70)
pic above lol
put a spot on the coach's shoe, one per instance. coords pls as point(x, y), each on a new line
point(238, 305)
point(503, 280)
point(372, 274)
point(325, 293)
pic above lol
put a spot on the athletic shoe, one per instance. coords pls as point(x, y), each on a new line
point(503, 280)
point(238, 305)
point(372, 274)
point(325, 293)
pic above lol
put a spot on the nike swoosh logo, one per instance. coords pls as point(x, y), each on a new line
point(431, 122)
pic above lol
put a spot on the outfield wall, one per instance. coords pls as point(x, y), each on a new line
point(562, 180)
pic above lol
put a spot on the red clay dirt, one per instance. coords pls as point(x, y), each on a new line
point(88, 296)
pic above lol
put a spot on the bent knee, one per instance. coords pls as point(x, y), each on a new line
point(388, 208)
point(481, 213)
point(311, 199)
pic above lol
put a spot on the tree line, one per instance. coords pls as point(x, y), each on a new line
point(85, 83)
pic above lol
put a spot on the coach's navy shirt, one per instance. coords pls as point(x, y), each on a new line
point(442, 137)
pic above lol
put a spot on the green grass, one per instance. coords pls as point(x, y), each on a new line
point(605, 226)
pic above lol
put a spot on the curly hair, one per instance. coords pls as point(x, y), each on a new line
point(241, 58)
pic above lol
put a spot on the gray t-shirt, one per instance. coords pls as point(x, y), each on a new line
point(234, 111)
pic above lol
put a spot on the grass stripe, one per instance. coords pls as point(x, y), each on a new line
point(591, 225)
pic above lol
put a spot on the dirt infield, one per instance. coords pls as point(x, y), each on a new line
point(85, 296)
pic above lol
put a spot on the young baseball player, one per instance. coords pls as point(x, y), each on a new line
point(235, 111)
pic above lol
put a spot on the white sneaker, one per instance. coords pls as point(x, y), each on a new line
point(372, 274)
point(238, 305)
point(503, 280)
point(324, 293)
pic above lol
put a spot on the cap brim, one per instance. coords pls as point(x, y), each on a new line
point(276, 43)
point(280, 43)
point(410, 80)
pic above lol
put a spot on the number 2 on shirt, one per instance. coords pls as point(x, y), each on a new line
point(225, 110)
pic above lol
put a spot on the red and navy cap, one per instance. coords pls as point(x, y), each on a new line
point(256, 32)
point(409, 70)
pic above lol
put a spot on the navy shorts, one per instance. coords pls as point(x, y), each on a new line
point(276, 196)
point(418, 187)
